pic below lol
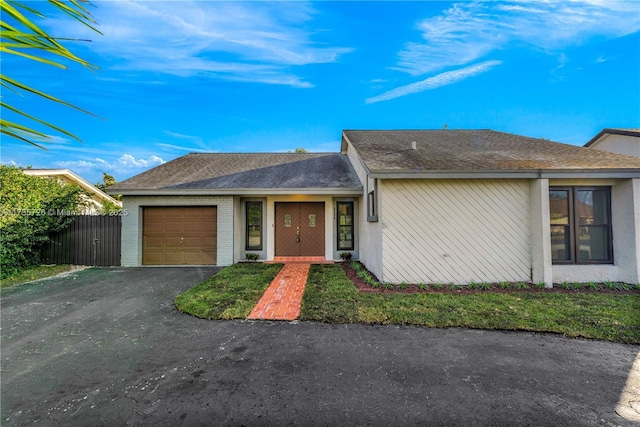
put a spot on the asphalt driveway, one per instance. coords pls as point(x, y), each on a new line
point(107, 347)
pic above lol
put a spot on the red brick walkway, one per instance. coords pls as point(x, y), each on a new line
point(281, 300)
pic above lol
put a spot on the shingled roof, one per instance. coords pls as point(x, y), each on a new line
point(232, 171)
point(477, 151)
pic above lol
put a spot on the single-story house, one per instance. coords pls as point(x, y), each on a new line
point(432, 206)
point(95, 199)
point(616, 140)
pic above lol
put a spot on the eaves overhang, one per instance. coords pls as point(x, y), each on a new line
point(608, 131)
point(352, 191)
point(507, 174)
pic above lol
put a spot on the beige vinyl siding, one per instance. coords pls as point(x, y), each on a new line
point(455, 231)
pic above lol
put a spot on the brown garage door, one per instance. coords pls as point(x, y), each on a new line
point(179, 235)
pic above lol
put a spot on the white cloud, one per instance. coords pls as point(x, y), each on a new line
point(468, 31)
point(125, 163)
point(442, 79)
point(183, 136)
point(252, 41)
point(184, 148)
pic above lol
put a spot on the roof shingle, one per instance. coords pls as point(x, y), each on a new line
point(477, 150)
point(247, 170)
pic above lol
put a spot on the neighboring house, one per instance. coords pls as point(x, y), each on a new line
point(94, 202)
point(621, 141)
point(433, 206)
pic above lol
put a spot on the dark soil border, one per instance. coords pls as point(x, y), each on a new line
point(465, 289)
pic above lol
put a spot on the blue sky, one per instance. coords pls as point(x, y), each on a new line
point(179, 76)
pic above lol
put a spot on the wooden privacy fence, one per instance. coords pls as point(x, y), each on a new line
point(88, 240)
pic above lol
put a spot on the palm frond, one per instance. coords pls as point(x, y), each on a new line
point(23, 38)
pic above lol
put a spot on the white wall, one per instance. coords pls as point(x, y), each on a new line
point(455, 231)
point(370, 233)
point(132, 224)
point(621, 144)
point(541, 270)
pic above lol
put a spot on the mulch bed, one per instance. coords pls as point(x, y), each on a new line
point(494, 287)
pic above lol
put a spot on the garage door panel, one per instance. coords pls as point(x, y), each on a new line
point(154, 228)
point(179, 236)
point(153, 241)
point(172, 241)
point(209, 228)
point(154, 214)
point(194, 214)
point(173, 227)
point(173, 257)
point(154, 258)
point(174, 213)
point(191, 242)
point(208, 257)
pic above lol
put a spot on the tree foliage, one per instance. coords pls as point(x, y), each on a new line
point(32, 208)
point(108, 181)
point(20, 36)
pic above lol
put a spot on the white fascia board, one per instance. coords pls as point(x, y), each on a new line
point(81, 182)
point(343, 150)
point(489, 174)
point(356, 191)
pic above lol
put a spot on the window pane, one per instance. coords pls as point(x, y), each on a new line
point(593, 207)
point(593, 243)
point(254, 225)
point(312, 220)
point(559, 206)
point(345, 225)
point(287, 220)
point(560, 244)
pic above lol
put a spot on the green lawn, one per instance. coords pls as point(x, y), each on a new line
point(331, 297)
point(230, 294)
point(34, 273)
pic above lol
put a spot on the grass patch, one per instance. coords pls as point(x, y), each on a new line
point(230, 294)
point(331, 297)
point(35, 273)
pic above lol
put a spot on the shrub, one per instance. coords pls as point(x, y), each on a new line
point(30, 207)
point(346, 256)
point(252, 256)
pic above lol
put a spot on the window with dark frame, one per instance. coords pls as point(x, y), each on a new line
point(372, 214)
point(254, 226)
point(345, 225)
point(580, 220)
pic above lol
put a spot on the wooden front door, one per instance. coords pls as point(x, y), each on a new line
point(299, 229)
